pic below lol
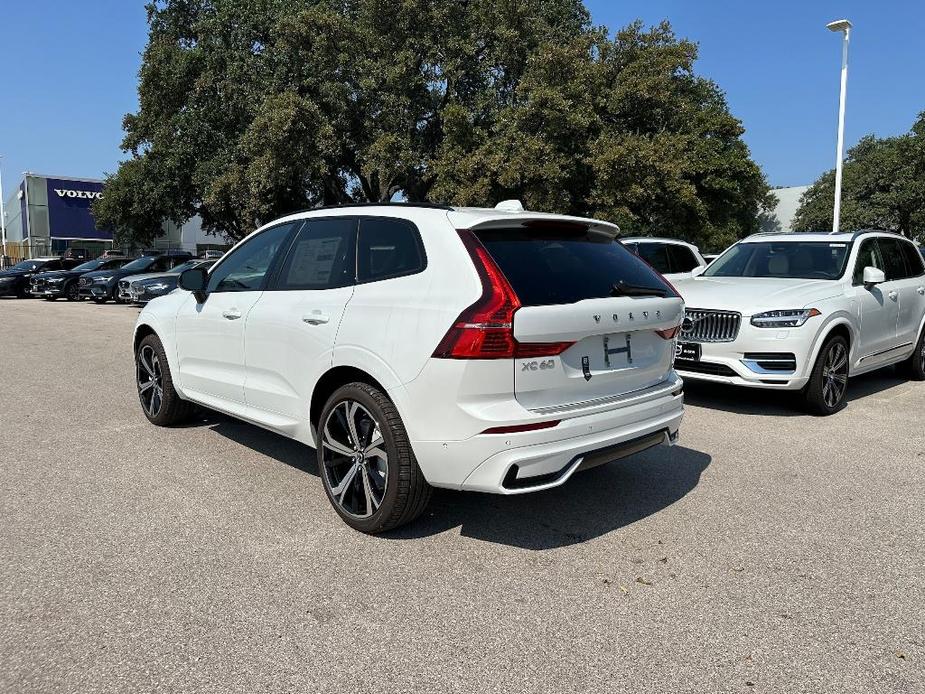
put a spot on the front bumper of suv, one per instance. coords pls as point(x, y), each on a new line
point(527, 461)
point(772, 358)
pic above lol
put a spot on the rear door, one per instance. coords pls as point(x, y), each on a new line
point(878, 307)
point(565, 279)
point(290, 332)
point(911, 293)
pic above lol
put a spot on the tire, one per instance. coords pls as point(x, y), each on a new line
point(49, 298)
point(100, 301)
point(355, 476)
point(914, 366)
point(828, 384)
point(71, 292)
point(159, 399)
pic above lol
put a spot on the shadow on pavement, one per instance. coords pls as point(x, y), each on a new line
point(779, 403)
point(590, 504)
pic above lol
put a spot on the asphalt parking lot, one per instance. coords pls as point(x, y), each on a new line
point(769, 552)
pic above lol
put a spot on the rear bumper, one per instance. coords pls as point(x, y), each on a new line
point(516, 463)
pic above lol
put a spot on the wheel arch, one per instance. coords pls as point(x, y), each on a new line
point(838, 326)
point(329, 382)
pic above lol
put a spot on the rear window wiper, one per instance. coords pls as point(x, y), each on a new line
point(621, 288)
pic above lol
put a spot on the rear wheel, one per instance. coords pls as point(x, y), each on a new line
point(915, 365)
point(828, 384)
point(159, 400)
point(368, 469)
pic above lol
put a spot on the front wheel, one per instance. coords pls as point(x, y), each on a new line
point(159, 399)
point(368, 469)
point(828, 384)
point(72, 292)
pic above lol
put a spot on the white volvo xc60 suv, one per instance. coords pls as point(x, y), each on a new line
point(804, 312)
point(415, 346)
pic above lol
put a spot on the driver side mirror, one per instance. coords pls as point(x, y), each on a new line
point(697, 271)
point(873, 276)
point(195, 280)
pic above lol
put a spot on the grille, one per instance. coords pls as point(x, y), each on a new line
point(85, 281)
point(38, 284)
point(123, 284)
point(701, 325)
point(703, 367)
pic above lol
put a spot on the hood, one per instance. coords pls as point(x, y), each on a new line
point(751, 295)
point(151, 275)
point(18, 273)
point(54, 273)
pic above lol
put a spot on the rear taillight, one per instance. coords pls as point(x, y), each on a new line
point(669, 333)
point(485, 330)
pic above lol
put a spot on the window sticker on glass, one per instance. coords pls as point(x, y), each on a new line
point(314, 260)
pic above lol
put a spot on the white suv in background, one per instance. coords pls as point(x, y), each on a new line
point(805, 311)
point(415, 346)
point(675, 259)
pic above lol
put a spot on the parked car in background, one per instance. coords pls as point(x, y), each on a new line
point(16, 280)
point(419, 345)
point(710, 257)
point(76, 254)
point(112, 253)
point(63, 283)
point(805, 312)
point(102, 285)
point(140, 289)
point(673, 258)
point(212, 255)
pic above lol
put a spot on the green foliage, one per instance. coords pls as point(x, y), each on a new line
point(253, 108)
point(883, 187)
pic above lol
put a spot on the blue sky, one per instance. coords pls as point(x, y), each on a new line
point(69, 71)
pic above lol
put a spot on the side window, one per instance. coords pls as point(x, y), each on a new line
point(868, 256)
point(321, 257)
point(913, 259)
point(656, 255)
point(893, 260)
point(388, 248)
point(682, 258)
point(161, 264)
point(245, 268)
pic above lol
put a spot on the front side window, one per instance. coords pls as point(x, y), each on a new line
point(245, 268)
point(321, 257)
point(388, 248)
point(868, 256)
point(811, 260)
point(140, 265)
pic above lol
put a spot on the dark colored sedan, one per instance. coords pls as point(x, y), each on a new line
point(15, 281)
point(103, 285)
point(53, 285)
point(140, 289)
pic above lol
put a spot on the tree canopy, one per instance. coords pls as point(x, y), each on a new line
point(249, 109)
point(883, 187)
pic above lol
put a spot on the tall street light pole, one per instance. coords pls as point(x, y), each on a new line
point(2, 218)
point(844, 26)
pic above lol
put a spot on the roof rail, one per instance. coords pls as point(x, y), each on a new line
point(346, 205)
point(876, 231)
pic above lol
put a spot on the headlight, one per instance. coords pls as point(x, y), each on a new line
point(157, 287)
point(6, 280)
point(785, 318)
point(55, 280)
point(102, 280)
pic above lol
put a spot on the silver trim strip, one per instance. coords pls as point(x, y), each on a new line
point(624, 399)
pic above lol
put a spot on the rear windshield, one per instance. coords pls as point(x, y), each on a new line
point(811, 260)
point(562, 265)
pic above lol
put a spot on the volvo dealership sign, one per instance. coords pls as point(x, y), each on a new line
point(69, 215)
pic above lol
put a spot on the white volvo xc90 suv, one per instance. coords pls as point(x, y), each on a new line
point(804, 312)
point(415, 346)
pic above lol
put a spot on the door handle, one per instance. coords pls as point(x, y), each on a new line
point(893, 295)
point(316, 318)
point(231, 314)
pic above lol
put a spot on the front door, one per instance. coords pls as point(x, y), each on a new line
point(210, 335)
point(878, 308)
point(290, 333)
